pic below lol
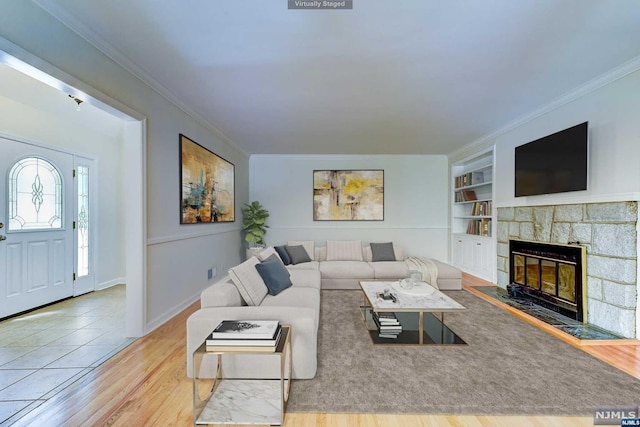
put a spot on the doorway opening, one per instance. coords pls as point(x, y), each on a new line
point(133, 163)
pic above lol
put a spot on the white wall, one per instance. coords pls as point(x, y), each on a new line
point(35, 112)
point(613, 113)
point(415, 211)
point(188, 249)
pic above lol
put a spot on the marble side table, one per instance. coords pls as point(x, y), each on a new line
point(243, 401)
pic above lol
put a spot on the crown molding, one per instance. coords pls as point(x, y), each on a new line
point(343, 156)
point(114, 54)
point(609, 77)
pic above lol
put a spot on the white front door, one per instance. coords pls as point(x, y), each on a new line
point(37, 214)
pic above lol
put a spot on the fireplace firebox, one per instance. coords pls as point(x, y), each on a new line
point(552, 275)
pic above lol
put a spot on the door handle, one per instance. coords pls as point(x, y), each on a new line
point(3, 238)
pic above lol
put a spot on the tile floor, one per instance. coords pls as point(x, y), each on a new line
point(43, 351)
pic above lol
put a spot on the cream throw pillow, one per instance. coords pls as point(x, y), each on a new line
point(248, 281)
point(267, 253)
point(338, 250)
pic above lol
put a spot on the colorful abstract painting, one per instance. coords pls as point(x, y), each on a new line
point(348, 195)
point(206, 185)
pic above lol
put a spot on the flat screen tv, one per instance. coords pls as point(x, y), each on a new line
point(554, 164)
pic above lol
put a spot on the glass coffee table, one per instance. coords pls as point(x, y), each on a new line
point(416, 310)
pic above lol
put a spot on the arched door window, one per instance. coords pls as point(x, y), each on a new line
point(35, 195)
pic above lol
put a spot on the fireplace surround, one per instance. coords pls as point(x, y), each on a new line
point(608, 231)
point(553, 275)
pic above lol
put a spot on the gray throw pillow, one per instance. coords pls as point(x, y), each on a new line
point(274, 274)
point(382, 252)
point(298, 254)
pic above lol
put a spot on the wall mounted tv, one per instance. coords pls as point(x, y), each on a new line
point(554, 164)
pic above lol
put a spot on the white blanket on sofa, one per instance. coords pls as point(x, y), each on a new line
point(427, 267)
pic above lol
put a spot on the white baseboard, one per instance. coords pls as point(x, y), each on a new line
point(110, 283)
point(170, 314)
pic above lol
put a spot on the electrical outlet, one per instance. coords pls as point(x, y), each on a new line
point(210, 274)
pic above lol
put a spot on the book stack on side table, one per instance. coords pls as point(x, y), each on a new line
point(245, 335)
point(388, 324)
point(243, 400)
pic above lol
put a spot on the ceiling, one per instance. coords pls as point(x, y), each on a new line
point(388, 77)
point(29, 94)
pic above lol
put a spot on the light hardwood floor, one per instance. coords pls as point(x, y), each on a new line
point(146, 385)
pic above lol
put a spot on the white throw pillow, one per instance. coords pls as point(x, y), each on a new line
point(308, 245)
point(338, 250)
point(267, 253)
point(321, 253)
point(368, 256)
point(248, 281)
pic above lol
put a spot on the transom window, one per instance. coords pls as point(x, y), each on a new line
point(35, 195)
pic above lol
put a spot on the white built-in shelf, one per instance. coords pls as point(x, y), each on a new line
point(473, 241)
point(471, 201)
point(469, 187)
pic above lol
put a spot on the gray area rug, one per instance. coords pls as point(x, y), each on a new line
point(508, 368)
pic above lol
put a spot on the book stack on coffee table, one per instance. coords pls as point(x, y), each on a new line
point(388, 324)
point(245, 335)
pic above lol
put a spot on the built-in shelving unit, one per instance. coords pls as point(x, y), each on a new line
point(472, 220)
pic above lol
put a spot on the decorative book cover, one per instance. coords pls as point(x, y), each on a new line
point(231, 344)
point(246, 329)
point(241, 348)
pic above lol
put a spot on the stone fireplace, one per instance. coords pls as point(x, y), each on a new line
point(554, 276)
point(607, 231)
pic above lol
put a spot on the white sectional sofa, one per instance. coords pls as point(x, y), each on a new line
point(298, 306)
point(334, 266)
point(345, 274)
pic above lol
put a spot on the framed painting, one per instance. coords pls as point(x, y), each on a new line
point(348, 195)
point(207, 182)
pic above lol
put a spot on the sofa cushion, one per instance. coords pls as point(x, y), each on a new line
point(346, 270)
point(248, 281)
point(321, 253)
point(298, 254)
point(449, 277)
point(311, 265)
point(284, 255)
point(309, 246)
point(305, 278)
point(382, 252)
point(274, 274)
point(347, 250)
point(390, 269)
point(221, 294)
point(294, 297)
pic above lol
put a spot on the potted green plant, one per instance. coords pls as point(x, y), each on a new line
point(253, 224)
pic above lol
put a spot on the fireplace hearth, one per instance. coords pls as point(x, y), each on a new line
point(552, 275)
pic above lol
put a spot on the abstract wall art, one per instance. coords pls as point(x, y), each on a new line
point(348, 195)
point(207, 183)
